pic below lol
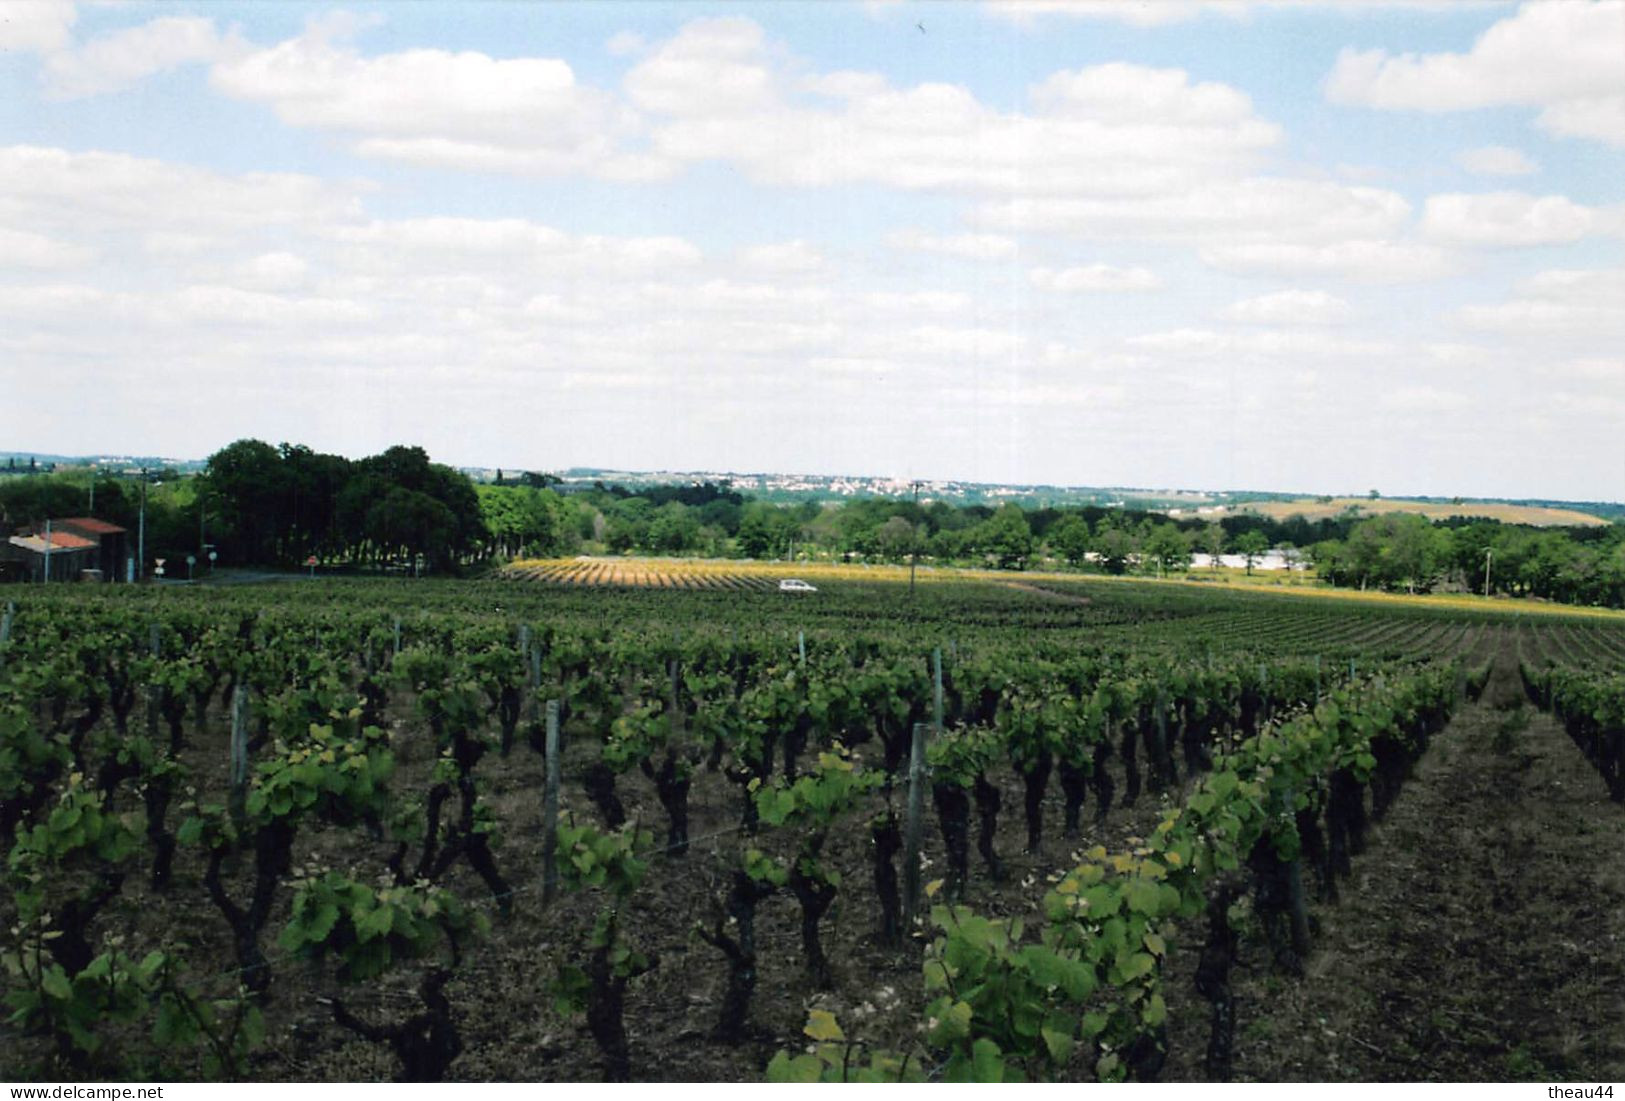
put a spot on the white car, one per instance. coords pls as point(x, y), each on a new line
point(792, 585)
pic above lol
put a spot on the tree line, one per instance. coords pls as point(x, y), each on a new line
point(258, 504)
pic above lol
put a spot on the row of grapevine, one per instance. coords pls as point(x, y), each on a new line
point(151, 745)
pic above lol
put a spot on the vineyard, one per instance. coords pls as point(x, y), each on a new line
point(677, 825)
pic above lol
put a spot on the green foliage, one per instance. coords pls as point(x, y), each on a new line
point(114, 988)
point(764, 869)
point(818, 798)
point(368, 930)
point(590, 858)
point(834, 1058)
point(76, 1008)
point(572, 989)
point(1002, 1010)
point(963, 753)
point(79, 826)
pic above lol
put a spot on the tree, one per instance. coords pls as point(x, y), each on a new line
point(765, 531)
point(673, 529)
point(896, 539)
point(1251, 545)
point(1115, 547)
point(1331, 560)
point(1006, 537)
point(1069, 537)
point(1168, 547)
point(1212, 542)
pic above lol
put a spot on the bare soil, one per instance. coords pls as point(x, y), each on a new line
point(1481, 936)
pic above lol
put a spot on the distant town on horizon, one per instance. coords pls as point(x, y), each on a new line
point(782, 486)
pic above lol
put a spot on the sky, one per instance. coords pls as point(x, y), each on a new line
point(1219, 244)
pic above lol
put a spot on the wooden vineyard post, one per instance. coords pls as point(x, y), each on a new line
point(533, 686)
point(1317, 680)
point(239, 750)
point(911, 830)
point(1264, 691)
point(1297, 905)
point(801, 644)
point(936, 692)
point(1165, 754)
point(5, 628)
point(397, 635)
point(550, 807)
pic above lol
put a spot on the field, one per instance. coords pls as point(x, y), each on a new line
point(1314, 508)
point(1177, 831)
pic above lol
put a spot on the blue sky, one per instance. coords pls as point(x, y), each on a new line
point(1227, 244)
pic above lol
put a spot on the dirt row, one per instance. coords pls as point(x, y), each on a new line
point(1482, 935)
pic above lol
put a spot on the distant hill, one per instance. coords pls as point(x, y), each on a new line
point(1535, 515)
point(1183, 503)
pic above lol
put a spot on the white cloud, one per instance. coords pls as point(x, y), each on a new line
point(1290, 307)
point(1600, 287)
point(21, 249)
point(100, 192)
point(1094, 278)
point(1511, 219)
point(787, 258)
point(713, 67)
point(464, 110)
point(1134, 13)
point(274, 271)
point(1569, 308)
point(1379, 261)
point(53, 301)
point(36, 26)
point(506, 244)
point(1562, 57)
point(1286, 345)
point(1496, 160)
point(255, 309)
point(123, 58)
point(1129, 93)
point(1260, 210)
point(718, 91)
point(1609, 370)
point(927, 302)
point(966, 246)
point(1424, 399)
point(1163, 13)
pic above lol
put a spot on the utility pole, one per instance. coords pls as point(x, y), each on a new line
point(914, 542)
point(1488, 554)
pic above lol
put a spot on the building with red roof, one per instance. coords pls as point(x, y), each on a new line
point(78, 548)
